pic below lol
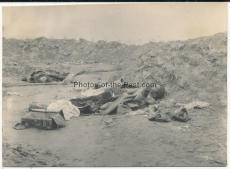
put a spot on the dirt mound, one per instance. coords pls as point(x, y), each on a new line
point(43, 50)
point(198, 66)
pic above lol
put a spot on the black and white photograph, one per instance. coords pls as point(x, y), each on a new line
point(114, 85)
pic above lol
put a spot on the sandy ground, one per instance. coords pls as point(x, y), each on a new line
point(127, 141)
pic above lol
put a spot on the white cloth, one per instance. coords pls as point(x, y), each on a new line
point(66, 106)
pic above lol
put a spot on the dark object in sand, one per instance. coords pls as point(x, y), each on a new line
point(47, 121)
point(46, 76)
point(24, 79)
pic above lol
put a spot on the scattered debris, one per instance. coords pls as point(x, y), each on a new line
point(101, 101)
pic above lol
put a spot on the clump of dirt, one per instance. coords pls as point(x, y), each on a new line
point(27, 156)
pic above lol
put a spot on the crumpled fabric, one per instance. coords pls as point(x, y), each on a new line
point(163, 117)
point(169, 103)
point(93, 102)
point(123, 109)
point(181, 115)
point(66, 106)
point(153, 108)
